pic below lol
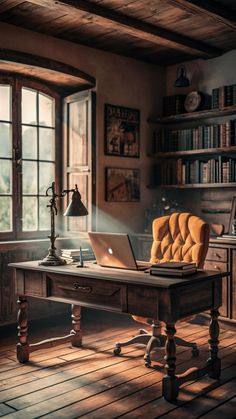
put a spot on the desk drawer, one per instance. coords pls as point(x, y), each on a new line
point(215, 265)
point(217, 254)
point(31, 283)
point(88, 292)
point(143, 301)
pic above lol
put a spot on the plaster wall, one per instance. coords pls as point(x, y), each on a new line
point(119, 81)
point(204, 75)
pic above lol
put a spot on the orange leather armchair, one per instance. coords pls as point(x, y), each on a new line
point(176, 237)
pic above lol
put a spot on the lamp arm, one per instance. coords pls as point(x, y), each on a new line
point(65, 191)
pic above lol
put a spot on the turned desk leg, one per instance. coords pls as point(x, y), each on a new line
point(22, 347)
point(170, 383)
point(214, 331)
point(76, 320)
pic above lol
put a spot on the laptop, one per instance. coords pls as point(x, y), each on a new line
point(114, 250)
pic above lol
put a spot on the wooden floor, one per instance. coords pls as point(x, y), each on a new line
point(65, 382)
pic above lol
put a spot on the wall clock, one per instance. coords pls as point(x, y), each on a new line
point(193, 101)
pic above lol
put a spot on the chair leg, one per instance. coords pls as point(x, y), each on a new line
point(152, 340)
point(153, 343)
point(184, 343)
point(142, 338)
point(143, 332)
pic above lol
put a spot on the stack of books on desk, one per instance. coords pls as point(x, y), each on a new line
point(74, 255)
point(227, 236)
point(178, 269)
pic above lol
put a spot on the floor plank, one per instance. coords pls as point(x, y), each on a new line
point(89, 382)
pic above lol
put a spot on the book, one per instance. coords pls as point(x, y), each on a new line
point(172, 272)
point(74, 254)
point(174, 265)
point(227, 236)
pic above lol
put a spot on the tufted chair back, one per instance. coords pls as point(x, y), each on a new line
point(180, 237)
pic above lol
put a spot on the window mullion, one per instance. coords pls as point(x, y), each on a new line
point(17, 163)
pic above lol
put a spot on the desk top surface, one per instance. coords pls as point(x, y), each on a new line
point(92, 270)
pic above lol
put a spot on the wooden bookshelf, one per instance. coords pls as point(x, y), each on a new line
point(196, 154)
point(185, 117)
point(194, 185)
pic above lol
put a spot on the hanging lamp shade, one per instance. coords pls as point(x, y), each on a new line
point(76, 207)
point(182, 79)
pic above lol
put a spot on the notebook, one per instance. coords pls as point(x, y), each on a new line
point(114, 250)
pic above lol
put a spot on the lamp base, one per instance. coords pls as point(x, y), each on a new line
point(52, 260)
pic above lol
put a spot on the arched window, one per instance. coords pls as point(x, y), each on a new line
point(30, 156)
point(28, 136)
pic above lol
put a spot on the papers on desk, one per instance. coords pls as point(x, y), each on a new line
point(177, 269)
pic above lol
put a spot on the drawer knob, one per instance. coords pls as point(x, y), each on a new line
point(217, 267)
point(78, 287)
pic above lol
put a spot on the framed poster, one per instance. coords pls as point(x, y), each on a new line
point(122, 131)
point(122, 185)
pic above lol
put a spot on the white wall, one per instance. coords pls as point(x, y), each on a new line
point(120, 81)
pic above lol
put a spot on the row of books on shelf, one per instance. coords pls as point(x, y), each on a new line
point(224, 96)
point(173, 105)
point(201, 137)
point(183, 172)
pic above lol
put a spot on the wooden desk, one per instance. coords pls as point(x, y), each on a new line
point(133, 292)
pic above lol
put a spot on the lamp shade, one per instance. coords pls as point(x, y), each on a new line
point(76, 207)
point(182, 79)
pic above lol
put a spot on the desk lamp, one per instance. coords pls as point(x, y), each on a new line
point(75, 208)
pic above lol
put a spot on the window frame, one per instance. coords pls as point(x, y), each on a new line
point(16, 83)
point(84, 170)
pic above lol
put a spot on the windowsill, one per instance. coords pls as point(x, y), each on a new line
point(9, 244)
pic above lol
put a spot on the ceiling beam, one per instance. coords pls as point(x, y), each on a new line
point(208, 9)
point(137, 28)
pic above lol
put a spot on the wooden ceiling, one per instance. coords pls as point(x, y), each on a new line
point(157, 31)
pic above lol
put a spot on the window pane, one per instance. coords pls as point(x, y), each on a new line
point(5, 140)
point(29, 174)
point(46, 110)
point(5, 213)
point(29, 106)
point(46, 176)
point(5, 103)
point(46, 144)
point(29, 214)
point(29, 142)
point(77, 134)
point(78, 223)
point(5, 176)
point(44, 214)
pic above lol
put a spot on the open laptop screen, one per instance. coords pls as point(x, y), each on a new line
point(113, 250)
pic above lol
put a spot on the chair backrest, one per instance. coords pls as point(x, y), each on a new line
point(180, 237)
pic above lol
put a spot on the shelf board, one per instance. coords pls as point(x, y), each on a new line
point(185, 117)
point(194, 186)
point(198, 152)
